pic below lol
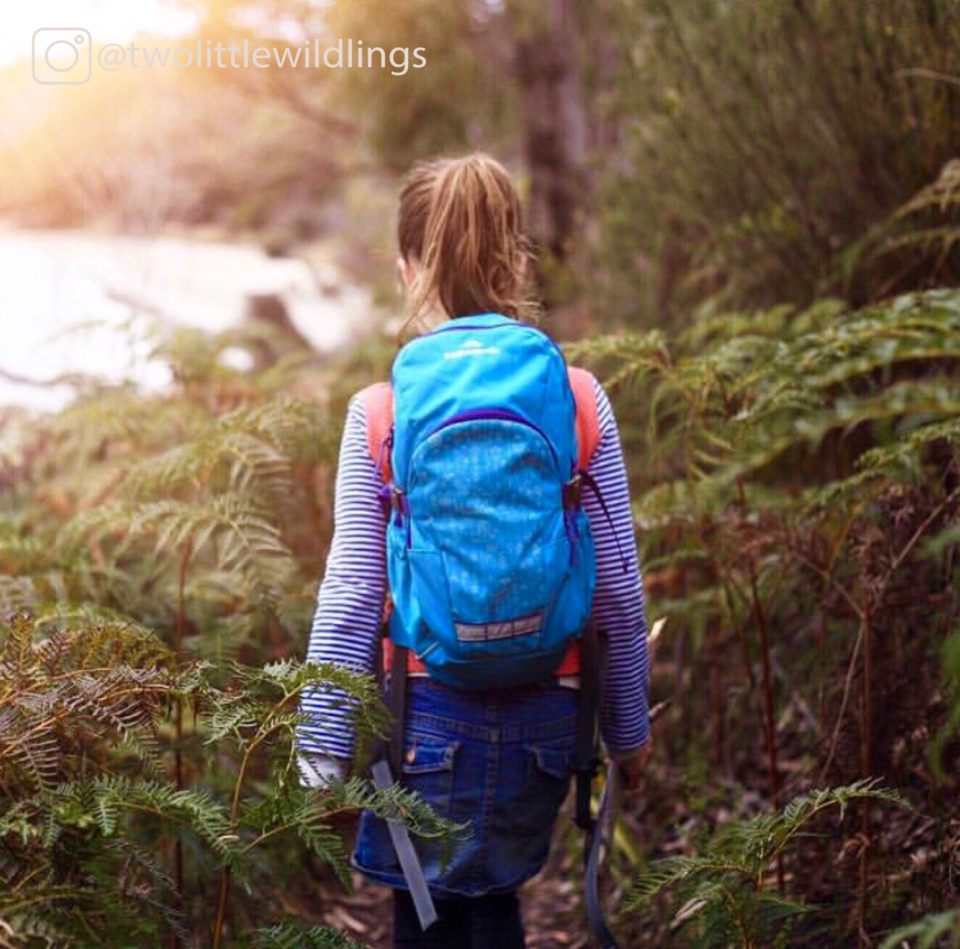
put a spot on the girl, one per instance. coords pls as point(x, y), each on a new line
point(499, 760)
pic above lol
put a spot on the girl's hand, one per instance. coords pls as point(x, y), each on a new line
point(633, 765)
point(319, 771)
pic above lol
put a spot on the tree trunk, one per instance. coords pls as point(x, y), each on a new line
point(547, 51)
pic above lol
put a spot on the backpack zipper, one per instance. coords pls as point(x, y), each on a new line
point(501, 415)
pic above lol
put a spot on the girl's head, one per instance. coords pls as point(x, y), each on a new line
point(462, 250)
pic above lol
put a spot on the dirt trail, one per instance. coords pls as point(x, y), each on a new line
point(552, 910)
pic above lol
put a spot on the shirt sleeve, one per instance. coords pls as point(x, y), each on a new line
point(618, 606)
point(350, 602)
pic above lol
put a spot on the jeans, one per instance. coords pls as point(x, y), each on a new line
point(500, 761)
point(465, 922)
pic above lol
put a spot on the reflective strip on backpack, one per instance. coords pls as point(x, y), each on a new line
point(510, 629)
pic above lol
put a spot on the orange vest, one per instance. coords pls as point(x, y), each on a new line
point(378, 405)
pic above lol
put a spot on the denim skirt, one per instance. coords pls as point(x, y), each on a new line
point(500, 762)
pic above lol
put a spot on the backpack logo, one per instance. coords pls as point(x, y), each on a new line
point(472, 347)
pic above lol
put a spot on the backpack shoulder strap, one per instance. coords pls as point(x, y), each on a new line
point(378, 406)
point(588, 418)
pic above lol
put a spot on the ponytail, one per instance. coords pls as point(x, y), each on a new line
point(460, 223)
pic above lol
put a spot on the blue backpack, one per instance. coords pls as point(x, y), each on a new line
point(490, 559)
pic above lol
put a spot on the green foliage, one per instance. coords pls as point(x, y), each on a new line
point(458, 100)
point(951, 681)
point(111, 680)
point(197, 498)
point(158, 562)
point(87, 800)
point(743, 396)
point(935, 930)
point(796, 496)
point(724, 892)
point(290, 936)
point(83, 789)
point(917, 244)
point(763, 141)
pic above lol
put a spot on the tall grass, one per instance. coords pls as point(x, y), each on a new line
point(763, 139)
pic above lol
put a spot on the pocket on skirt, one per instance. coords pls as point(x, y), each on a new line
point(530, 808)
point(553, 760)
point(427, 766)
point(548, 772)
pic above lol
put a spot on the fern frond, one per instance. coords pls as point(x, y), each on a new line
point(722, 887)
point(296, 936)
point(933, 931)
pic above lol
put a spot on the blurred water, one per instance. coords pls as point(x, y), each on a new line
point(55, 285)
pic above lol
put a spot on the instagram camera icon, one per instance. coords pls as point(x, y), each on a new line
point(62, 56)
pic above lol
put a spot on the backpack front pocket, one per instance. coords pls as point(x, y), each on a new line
point(491, 530)
point(429, 604)
point(482, 548)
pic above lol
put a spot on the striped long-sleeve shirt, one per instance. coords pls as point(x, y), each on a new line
point(346, 625)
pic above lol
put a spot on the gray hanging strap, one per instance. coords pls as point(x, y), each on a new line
point(409, 861)
point(388, 761)
point(602, 826)
point(599, 832)
point(588, 763)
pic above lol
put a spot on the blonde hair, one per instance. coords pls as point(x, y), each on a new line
point(459, 221)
